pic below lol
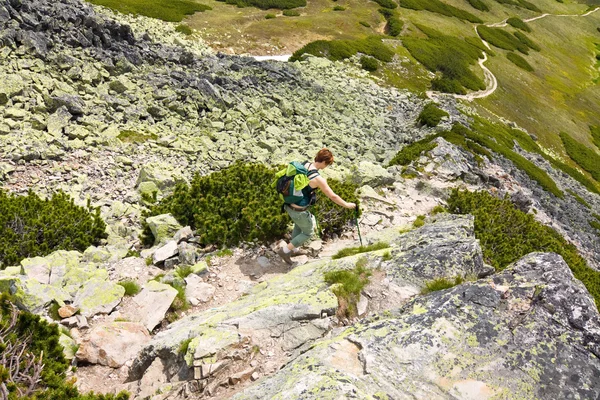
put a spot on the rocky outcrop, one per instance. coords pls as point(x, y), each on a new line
point(531, 331)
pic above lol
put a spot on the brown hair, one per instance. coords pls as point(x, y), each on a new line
point(324, 155)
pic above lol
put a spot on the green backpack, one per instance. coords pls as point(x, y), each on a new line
point(291, 181)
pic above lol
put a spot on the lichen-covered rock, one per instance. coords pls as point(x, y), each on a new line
point(163, 227)
point(529, 332)
point(368, 173)
point(98, 296)
point(151, 304)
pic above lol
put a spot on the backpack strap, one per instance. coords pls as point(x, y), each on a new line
point(312, 173)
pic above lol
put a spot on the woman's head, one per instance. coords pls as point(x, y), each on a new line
point(324, 156)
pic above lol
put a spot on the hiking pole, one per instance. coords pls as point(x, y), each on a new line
point(357, 227)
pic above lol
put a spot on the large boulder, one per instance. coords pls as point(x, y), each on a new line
point(531, 331)
point(150, 305)
point(10, 85)
point(98, 296)
point(163, 227)
point(368, 173)
point(113, 344)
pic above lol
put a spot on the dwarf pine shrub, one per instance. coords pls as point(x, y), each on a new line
point(31, 226)
point(239, 204)
point(595, 131)
point(291, 13)
point(182, 28)
point(336, 50)
point(391, 4)
point(431, 115)
point(507, 234)
point(267, 4)
point(478, 4)
point(585, 157)
point(32, 343)
point(518, 23)
point(436, 6)
point(410, 152)
point(368, 63)
point(527, 42)
point(501, 39)
point(166, 10)
point(519, 61)
point(339, 8)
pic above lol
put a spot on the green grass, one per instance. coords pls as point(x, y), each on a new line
point(419, 222)
point(387, 256)
point(336, 50)
point(438, 7)
point(339, 8)
point(351, 251)
point(526, 41)
point(441, 284)
point(183, 346)
point(182, 28)
point(270, 16)
point(507, 234)
point(585, 157)
point(135, 137)
point(183, 271)
point(391, 4)
point(431, 115)
point(267, 4)
point(348, 285)
point(410, 152)
point(579, 199)
point(595, 131)
point(518, 23)
point(500, 38)
point(519, 61)
point(53, 311)
point(166, 10)
point(438, 210)
point(595, 225)
point(131, 287)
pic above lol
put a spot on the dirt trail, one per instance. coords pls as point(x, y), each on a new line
point(490, 79)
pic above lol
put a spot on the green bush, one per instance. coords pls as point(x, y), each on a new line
point(339, 8)
point(239, 204)
point(349, 284)
point(507, 234)
point(410, 152)
point(37, 340)
point(368, 63)
point(394, 26)
point(431, 115)
point(520, 3)
point(182, 28)
point(336, 50)
point(449, 55)
point(365, 24)
point(595, 225)
point(438, 7)
point(391, 4)
point(291, 13)
point(333, 219)
point(519, 61)
point(166, 10)
point(270, 16)
point(526, 41)
point(585, 157)
point(351, 251)
point(441, 284)
point(478, 4)
point(131, 287)
point(419, 222)
point(267, 4)
point(30, 226)
point(595, 131)
point(518, 23)
point(501, 39)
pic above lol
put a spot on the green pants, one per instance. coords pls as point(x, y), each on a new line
point(303, 226)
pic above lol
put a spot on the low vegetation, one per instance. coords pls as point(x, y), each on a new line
point(438, 7)
point(585, 157)
point(339, 8)
point(579, 199)
point(369, 63)
point(291, 13)
point(519, 61)
point(31, 226)
point(450, 56)
point(336, 50)
point(131, 287)
point(526, 41)
point(239, 204)
point(419, 222)
point(479, 5)
point(182, 28)
point(520, 3)
point(410, 152)
point(501, 39)
point(431, 115)
point(352, 251)
point(394, 25)
point(507, 234)
point(32, 364)
point(347, 287)
point(267, 4)
point(518, 23)
point(441, 284)
point(391, 4)
point(595, 131)
point(166, 10)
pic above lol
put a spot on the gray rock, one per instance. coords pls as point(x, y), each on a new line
point(195, 288)
point(98, 297)
point(367, 173)
point(163, 253)
point(523, 333)
point(151, 304)
point(58, 121)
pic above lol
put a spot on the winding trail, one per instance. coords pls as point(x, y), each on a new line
point(491, 82)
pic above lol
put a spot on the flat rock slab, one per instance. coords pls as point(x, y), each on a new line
point(150, 305)
point(98, 297)
point(197, 289)
point(530, 331)
point(113, 344)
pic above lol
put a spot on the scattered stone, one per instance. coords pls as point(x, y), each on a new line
point(165, 252)
point(196, 289)
point(67, 311)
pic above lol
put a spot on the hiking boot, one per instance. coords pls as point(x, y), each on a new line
point(285, 256)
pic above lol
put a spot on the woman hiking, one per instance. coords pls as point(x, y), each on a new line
point(304, 221)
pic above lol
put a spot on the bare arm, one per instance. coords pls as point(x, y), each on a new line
point(322, 184)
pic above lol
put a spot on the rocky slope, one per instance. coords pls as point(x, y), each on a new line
point(109, 107)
